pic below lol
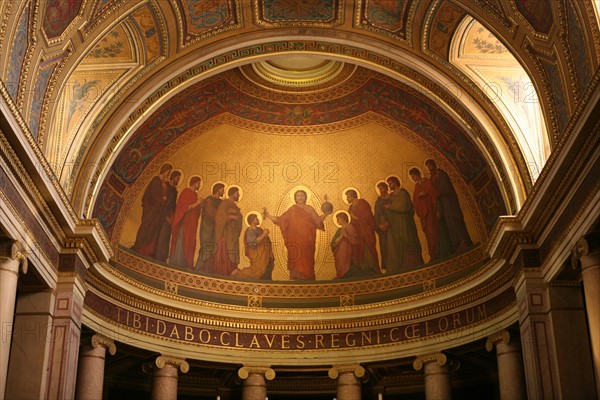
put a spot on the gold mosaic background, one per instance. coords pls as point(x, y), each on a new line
point(270, 167)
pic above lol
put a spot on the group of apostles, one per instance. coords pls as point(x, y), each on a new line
point(169, 226)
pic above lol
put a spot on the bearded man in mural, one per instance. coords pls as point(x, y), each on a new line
point(153, 206)
point(163, 243)
point(208, 243)
point(381, 224)
point(403, 246)
point(185, 225)
point(364, 253)
point(425, 202)
point(228, 227)
point(451, 216)
point(299, 226)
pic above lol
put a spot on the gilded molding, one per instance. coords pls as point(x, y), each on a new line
point(287, 290)
point(356, 369)
point(502, 336)
point(162, 361)
point(592, 25)
point(439, 358)
point(237, 321)
point(100, 340)
point(247, 370)
point(522, 21)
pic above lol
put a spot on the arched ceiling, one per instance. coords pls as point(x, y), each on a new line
point(107, 91)
point(88, 71)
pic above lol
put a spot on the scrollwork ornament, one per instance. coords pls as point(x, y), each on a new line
point(499, 337)
point(581, 248)
point(162, 361)
point(356, 369)
point(101, 340)
point(440, 358)
point(245, 371)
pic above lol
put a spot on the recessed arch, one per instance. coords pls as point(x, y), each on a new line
point(482, 57)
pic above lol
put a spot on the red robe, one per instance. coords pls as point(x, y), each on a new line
point(342, 252)
point(299, 229)
point(188, 221)
point(425, 204)
point(364, 223)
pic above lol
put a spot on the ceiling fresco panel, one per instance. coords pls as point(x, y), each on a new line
point(446, 19)
point(278, 13)
point(147, 22)
point(199, 19)
point(58, 14)
point(19, 47)
point(537, 13)
point(390, 18)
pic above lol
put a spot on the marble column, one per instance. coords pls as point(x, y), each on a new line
point(255, 386)
point(90, 374)
point(437, 376)
point(165, 377)
point(511, 375)
point(348, 380)
point(12, 255)
point(588, 252)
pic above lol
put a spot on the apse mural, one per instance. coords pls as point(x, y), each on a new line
point(225, 182)
point(275, 207)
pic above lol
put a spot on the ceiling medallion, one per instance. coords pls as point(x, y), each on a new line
point(298, 71)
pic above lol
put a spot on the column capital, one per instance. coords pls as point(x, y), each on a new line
point(100, 340)
point(586, 251)
point(162, 360)
point(439, 358)
point(246, 370)
point(502, 336)
point(13, 250)
point(355, 369)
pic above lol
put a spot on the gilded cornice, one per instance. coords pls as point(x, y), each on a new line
point(503, 20)
point(289, 290)
point(13, 164)
point(341, 318)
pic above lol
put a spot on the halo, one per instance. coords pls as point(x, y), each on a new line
point(344, 194)
point(181, 177)
point(300, 187)
point(389, 176)
point(377, 184)
point(335, 214)
point(236, 186)
point(260, 217)
point(201, 180)
point(420, 171)
point(214, 183)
